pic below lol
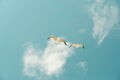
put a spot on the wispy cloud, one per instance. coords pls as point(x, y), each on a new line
point(105, 17)
point(48, 62)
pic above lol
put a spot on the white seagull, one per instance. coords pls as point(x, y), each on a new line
point(57, 39)
point(77, 45)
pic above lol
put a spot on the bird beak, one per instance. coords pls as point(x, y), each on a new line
point(48, 38)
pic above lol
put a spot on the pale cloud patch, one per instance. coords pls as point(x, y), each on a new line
point(105, 17)
point(83, 65)
point(82, 31)
point(47, 62)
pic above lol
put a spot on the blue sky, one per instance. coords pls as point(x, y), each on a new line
point(25, 26)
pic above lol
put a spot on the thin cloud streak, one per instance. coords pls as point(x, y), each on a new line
point(105, 17)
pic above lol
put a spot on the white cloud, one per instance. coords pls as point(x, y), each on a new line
point(105, 17)
point(49, 62)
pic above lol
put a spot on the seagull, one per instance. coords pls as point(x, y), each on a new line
point(77, 45)
point(57, 39)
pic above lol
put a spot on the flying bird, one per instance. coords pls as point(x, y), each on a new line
point(57, 39)
point(77, 45)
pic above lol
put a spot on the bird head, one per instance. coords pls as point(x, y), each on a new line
point(52, 36)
